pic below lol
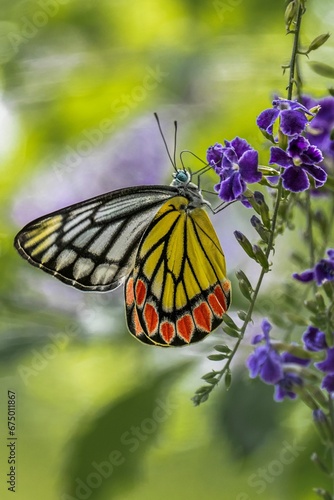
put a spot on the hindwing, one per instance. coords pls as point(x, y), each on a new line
point(177, 291)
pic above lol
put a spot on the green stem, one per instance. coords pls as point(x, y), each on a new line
point(295, 47)
point(270, 246)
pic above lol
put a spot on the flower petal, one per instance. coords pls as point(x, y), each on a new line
point(328, 383)
point(305, 276)
point(324, 271)
point(330, 253)
point(287, 357)
point(292, 122)
point(248, 166)
point(240, 146)
point(295, 179)
point(232, 188)
point(214, 156)
point(271, 371)
point(266, 119)
point(266, 327)
point(327, 365)
point(314, 339)
point(255, 360)
point(285, 387)
point(312, 155)
point(297, 145)
point(318, 173)
point(280, 157)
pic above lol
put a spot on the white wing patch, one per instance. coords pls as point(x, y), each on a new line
point(92, 245)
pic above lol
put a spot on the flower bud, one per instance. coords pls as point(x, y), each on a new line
point(241, 276)
point(317, 42)
point(290, 14)
point(263, 208)
point(317, 460)
point(258, 226)
point(261, 258)
point(244, 243)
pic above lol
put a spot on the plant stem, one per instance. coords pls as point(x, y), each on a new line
point(292, 65)
point(292, 71)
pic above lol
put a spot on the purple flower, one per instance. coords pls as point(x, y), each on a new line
point(291, 114)
point(328, 383)
point(287, 357)
point(323, 271)
point(299, 161)
point(214, 156)
point(265, 361)
point(274, 368)
point(327, 365)
point(320, 129)
point(314, 339)
point(236, 164)
point(285, 387)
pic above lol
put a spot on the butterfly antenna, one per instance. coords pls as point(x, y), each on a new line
point(175, 140)
point(165, 142)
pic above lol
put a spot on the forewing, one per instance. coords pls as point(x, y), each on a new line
point(177, 292)
point(92, 245)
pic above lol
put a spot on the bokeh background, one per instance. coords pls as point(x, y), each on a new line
point(99, 415)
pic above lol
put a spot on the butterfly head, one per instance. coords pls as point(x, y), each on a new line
point(181, 178)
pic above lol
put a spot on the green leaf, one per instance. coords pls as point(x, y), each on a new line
point(222, 348)
point(229, 321)
point(228, 378)
point(242, 315)
point(112, 447)
point(322, 69)
point(216, 357)
point(231, 332)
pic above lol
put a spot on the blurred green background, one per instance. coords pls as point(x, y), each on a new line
point(99, 415)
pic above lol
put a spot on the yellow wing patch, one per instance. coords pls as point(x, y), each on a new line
point(177, 292)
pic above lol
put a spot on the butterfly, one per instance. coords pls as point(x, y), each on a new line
point(157, 240)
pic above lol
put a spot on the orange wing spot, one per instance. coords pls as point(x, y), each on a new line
point(138, 328)
point(140, 292)
point(217, 308)
point(129, 295)
point(219, 293)
point(185, 327)
point(203, 317)
point(151, 319)
point(227, 286)
point(167, 331)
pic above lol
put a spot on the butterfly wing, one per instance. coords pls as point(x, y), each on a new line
point(92, 245)
point(177, 292)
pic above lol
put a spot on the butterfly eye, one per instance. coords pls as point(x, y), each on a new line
point(181, 177)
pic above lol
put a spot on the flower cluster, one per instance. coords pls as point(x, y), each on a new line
point(275, 368)
point(286, 371)
point(237, 165)
point(300, 159)
point(237, 162)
